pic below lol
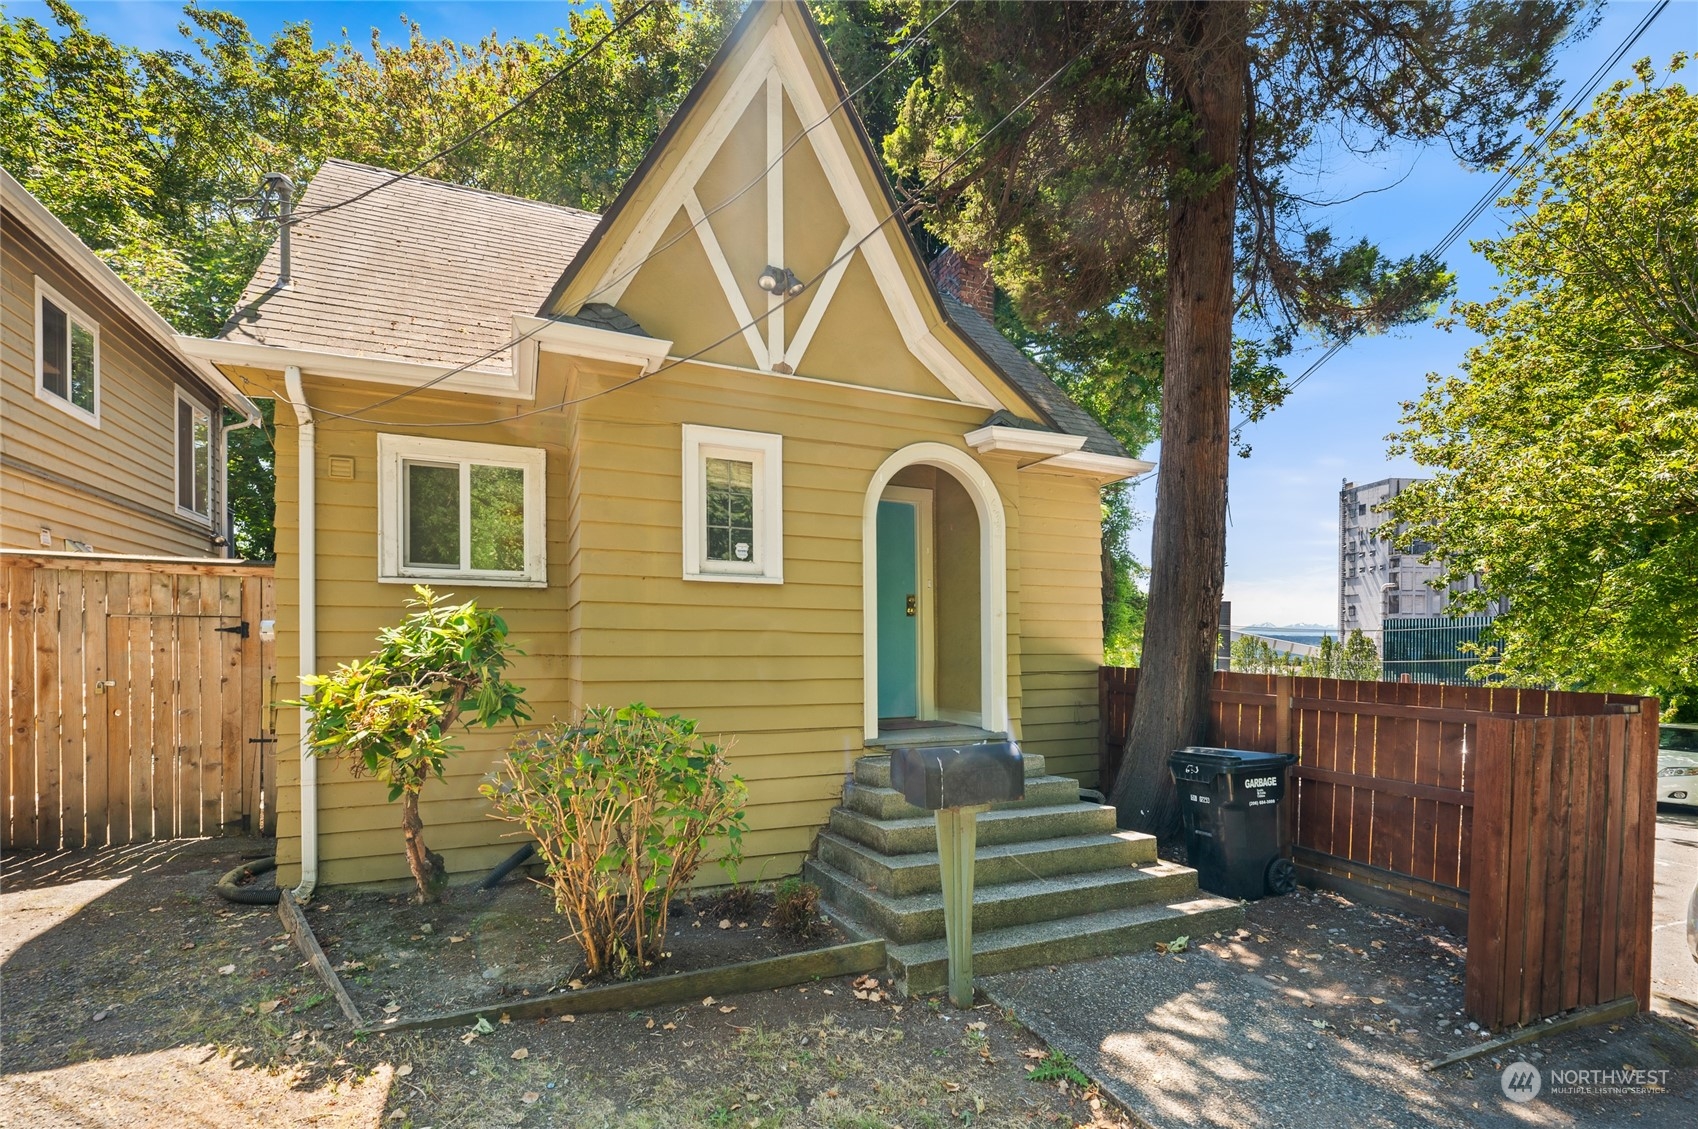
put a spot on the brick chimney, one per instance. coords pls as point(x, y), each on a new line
point(966, 278)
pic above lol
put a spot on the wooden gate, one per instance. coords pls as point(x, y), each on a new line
point(137, 702)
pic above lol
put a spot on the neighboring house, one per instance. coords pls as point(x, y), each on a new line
point(111, 437)
point(865, 517)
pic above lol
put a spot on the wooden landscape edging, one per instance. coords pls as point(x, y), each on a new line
point(295, 923)
point(749, 976)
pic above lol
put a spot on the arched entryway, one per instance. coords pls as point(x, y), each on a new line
point(934, 593)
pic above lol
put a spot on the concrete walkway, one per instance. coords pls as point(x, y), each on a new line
point(1320, 1013)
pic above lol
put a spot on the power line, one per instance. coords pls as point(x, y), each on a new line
point(907, 44)
point(531, 96)
point(806, 286)
point(1492, 194)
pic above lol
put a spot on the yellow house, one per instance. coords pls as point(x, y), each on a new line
point(727, 450)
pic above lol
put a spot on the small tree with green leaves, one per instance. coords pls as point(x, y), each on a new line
point(391, 716)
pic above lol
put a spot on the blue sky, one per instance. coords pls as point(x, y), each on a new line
point(1282, 541)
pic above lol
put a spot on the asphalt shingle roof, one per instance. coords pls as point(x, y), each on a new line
point(433, 272)
point(1067, 416)
point(421, 271)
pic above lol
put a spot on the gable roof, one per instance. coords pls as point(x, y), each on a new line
point(422, 271)
point(433, 273)
point(47, 227)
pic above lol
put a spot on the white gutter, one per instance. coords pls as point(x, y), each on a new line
point(505, 383)
point(306, 508)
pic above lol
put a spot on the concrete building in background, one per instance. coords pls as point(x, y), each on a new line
point(1375, 581)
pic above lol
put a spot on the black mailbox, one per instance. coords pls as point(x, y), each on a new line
point(959, 776)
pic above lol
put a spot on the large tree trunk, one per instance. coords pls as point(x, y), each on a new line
point(427, 866)
point(1188, 553)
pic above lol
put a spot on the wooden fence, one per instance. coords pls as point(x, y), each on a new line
point(137, 699)
point(1392, 781)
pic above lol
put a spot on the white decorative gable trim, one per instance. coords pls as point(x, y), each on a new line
point(778, 66)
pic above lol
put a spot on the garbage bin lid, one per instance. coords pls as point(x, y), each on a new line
point(1229, 760)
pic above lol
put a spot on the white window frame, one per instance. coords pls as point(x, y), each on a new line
point(177, 457)
point(73, 316)
point(393, 451)
point(766, 452)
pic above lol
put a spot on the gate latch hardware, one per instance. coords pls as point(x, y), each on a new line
point(101, 686)
point(240, 629)
point(913, 604)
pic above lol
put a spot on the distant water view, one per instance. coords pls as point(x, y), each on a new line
point(1309, 633)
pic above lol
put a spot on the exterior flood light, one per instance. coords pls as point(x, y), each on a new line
point(781, 280)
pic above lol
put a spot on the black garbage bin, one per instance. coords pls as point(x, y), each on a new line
point(1236, 830)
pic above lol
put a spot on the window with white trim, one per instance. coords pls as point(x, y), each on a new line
point(67, 355)
point(733, 505)
point(194, 458)
point(460, 511)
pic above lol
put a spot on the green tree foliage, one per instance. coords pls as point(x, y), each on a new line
point(1566, 453)
point(252, 483)
point(1356, 658)
point(144, 153)
point(391, 716)
point(1252, 654)
point(1152, 170)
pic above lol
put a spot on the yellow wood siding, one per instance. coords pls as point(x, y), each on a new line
point(112, 486)
point(774, 669)
point(1061, 620)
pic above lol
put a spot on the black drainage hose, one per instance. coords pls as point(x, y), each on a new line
point(230, 889)
point(508, 866)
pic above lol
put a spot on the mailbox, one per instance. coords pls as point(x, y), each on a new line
point(958, 776)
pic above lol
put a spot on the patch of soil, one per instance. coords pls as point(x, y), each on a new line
point(135, 996)
point(1391, 977)
point(478, 947)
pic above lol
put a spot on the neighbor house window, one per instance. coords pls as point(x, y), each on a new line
point(194, 458)
point(733, 505)
point(462, 511)
point(67, 355)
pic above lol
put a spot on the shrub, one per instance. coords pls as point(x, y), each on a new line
point(390, 715)
point(622, 805)
point(796, 907)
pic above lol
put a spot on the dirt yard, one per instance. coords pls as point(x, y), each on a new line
point(134, 996)
point(477, 948)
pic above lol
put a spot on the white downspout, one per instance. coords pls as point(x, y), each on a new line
point(307, 522)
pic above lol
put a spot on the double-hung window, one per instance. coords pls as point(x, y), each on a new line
point(67, 355)
point(733, 505)
point(194, 458)
point(460, 511)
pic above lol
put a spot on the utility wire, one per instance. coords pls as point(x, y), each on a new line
point(907, 45)
point(570, 66)
point(894, 213)
point(1492, 194)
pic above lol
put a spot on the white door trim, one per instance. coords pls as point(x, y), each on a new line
point(993, 579)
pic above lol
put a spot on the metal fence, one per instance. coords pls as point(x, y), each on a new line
point(1429, 649)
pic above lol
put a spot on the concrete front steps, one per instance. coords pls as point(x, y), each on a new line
point(1054, 880)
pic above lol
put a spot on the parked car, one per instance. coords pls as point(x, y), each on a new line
point(1677, 764)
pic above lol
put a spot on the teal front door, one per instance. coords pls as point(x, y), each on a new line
point(898, 624)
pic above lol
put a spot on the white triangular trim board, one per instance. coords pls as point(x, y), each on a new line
point(776, 67)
